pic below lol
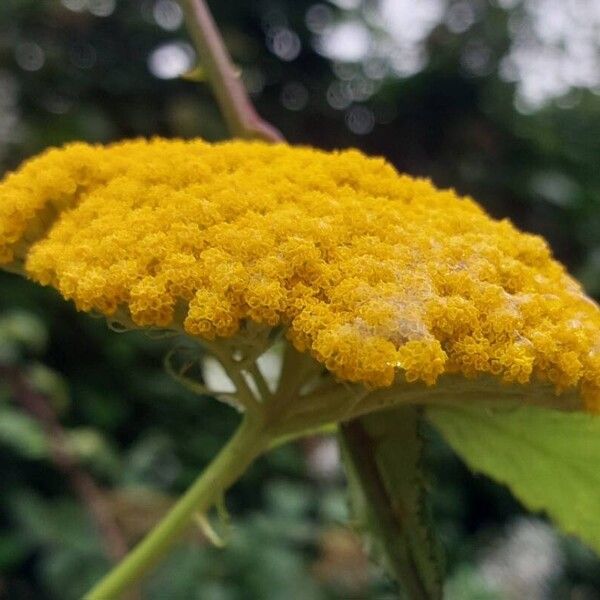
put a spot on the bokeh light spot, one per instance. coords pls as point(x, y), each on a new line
point(167, 14)
point(171, 60)
point(294, 96)
point(29, 56)
point(360, 120)
point(283, 43)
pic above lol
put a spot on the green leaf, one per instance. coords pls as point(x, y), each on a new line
point(383, 458)
point(549, 459)
point(22, 434)
point(94, 451)
point(13, 550)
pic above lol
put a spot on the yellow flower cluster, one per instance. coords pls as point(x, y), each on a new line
point(376, 274)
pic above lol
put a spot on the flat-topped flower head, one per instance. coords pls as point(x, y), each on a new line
point(379, 276)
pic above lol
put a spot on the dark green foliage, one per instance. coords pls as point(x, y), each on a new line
point(131, 426)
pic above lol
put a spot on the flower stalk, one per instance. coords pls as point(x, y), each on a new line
point(249, 441)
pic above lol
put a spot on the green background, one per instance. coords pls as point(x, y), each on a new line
point(87, 69)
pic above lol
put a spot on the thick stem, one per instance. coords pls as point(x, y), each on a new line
point(240, 115)
point(241, 450)
point(390, 528)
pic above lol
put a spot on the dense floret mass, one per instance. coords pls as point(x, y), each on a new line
point(376, 274)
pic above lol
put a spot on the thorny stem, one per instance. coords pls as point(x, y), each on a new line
point(389, 527)
point(83, 485)
point(383, 455)
point(240, 115)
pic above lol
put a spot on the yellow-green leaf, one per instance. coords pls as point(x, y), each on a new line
point(550, 460)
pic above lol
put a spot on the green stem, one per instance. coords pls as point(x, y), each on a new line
point(242, 389)
point(248, 442)
point(390, 526)
point(261, 382)
point(240, 115)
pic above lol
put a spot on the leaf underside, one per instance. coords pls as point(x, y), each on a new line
point(382, 455)
point(550, 460)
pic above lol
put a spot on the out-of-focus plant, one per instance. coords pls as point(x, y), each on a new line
point(383, 452)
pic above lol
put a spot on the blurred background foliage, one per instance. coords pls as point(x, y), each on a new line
point(499, 99)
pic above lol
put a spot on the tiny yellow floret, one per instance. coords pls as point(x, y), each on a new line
point(378, 275)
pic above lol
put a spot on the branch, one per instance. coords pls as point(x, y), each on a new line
point(240, 115)
point(83, 485)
